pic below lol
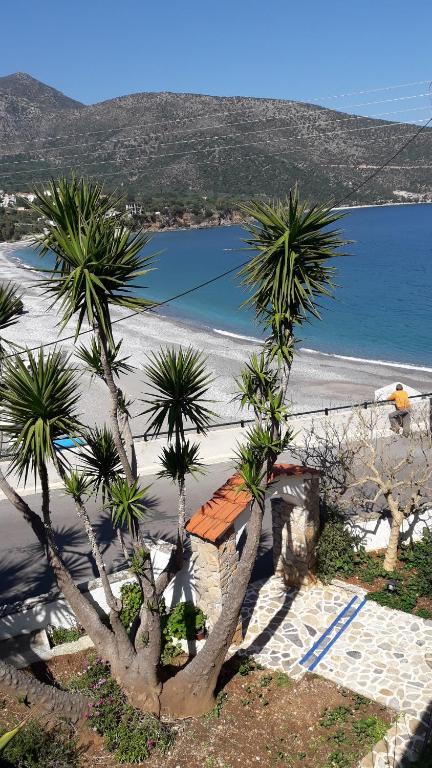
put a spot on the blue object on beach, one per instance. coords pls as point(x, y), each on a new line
point(68, 442)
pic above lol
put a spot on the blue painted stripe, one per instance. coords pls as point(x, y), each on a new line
point(328, 630)
point(337, 635)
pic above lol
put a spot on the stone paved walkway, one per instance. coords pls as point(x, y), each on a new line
point(380, 655)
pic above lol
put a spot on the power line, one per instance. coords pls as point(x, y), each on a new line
point(384, 165)
point(193, 130)
point(372, 90)
point(205, 116)
point(159, 156)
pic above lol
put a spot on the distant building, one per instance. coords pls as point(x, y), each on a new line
point(135, 209)
point(7, 200)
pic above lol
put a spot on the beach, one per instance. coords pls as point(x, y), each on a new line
point(318, 380)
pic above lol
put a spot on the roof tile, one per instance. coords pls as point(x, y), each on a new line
point(218, 514)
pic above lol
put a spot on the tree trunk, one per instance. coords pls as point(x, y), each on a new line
point(390, 559)
point(129, 443)
point(127, 469)
point(182, 510)
point(52, 701)
point(191, 692)
point(86, 614)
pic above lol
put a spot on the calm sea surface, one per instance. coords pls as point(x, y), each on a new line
point(382, 308)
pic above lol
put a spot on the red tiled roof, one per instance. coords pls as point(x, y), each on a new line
point(214, 518)
point(292, 470)
point(218, 514)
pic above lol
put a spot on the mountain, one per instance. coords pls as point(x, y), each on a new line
point(149, 144)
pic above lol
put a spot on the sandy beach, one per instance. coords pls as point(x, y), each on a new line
point(318, 380)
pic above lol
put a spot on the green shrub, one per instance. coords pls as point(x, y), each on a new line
point(33, 747)
point(404, 598)
point(336, 550)
point(127, 732)
point(370, 730)
point(419, 556)
point(131, 597)
point(60, 635)
point(184, 621)
point(423, 613)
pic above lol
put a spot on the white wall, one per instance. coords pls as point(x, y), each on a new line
point(375, 533)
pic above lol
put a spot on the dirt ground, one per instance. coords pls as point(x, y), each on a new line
point(262, 718)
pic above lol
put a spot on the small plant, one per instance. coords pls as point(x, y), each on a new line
point(221, 700)
point(282, 680)
point(338, 759)
point(247, 666)
point(184, 621)
point(337, 548)
point(424, 613)
point(60, 635)
point(265, 681)
point(127, 732)
point(34, 747)
point(171, 650)
point(334, 716)
point(369, 730)
point(131, 597)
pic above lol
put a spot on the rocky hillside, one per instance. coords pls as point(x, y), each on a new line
point(164, 143)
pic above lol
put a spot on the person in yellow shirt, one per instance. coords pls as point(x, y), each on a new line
point(401, 416)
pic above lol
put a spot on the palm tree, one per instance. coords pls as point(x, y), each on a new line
point(179, 383)
point(179, 460)
point(98, 260)
point(292, 270)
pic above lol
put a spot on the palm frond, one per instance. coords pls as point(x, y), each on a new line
point(179, 460)
point(90, 356)
point(100, 460)
point(37, 406)
point(127, 504)
point(294, 246)
point(97, 257)
point(179, 383)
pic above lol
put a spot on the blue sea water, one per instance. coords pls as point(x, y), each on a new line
point(383, 304)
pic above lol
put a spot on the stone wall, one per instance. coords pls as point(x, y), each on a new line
point(295, 521)
point(213, 568)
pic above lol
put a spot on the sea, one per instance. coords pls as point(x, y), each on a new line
point(382, 305)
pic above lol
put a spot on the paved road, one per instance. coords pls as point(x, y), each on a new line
point(23, 569)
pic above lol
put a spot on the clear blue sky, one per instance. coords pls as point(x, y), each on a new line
point(97, 49)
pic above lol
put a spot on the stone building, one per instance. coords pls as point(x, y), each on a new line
point(216, 527)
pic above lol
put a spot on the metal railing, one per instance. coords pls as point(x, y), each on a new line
point(323, 411)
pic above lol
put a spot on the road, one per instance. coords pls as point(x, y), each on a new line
point(24, 571)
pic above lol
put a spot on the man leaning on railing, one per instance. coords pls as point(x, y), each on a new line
point(401, 416)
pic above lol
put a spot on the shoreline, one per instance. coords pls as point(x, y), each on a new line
point(318, 379)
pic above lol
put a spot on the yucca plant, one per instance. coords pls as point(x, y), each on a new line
point(11, 305)
point(179, 383)
point(91, 357)
point(97, 257)
point(127, 505)
point(179, 460)
point(97, 262)
point(38, 405)
point(100, 460)
point(294, 245)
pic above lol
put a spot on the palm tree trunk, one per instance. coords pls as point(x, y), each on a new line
point(191, 692)
point(52, 701)
point(114, 415)
point(86, 614)
point(121, 541)
point(129, 442)
point(182, 510)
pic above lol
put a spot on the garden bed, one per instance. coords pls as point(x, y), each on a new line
point(261, 717)
point(408, 588)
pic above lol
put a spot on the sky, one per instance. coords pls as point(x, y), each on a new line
point(98, 49)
